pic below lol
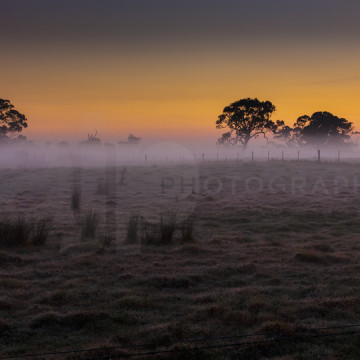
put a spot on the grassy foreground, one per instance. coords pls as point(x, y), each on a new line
point(275, 248)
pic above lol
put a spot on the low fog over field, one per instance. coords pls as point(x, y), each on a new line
point(156, 244)
point(180, 180)
point(165, 151)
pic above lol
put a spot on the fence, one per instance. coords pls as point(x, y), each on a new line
point(99, 157)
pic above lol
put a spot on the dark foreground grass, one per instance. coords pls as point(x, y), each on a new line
point(260, 263)
point(23, 231)
point(89, 224)
point(207, 289)
point(133, 229)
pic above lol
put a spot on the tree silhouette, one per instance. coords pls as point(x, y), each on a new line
point(323, 129)
point(11, 121)
point(131, 140)
point(290, 136)
point(92, 139)
point(246, 119)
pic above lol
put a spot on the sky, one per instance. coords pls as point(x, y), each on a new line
point(167, 68)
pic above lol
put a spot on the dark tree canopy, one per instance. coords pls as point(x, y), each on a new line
point(246, 119)
point(290, 136)
point(131, 140)
point(323, 129)
point(11, 121)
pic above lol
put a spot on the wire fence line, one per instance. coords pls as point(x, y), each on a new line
point(167, 156)
point(275, 336)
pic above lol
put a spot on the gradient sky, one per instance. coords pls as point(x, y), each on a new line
point(166, 68)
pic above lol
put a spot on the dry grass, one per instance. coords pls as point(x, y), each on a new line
point(133, 229)
point(187, 230)
point(269, 261)
point(23, 231)
point(89, 224)
point(15, 231)
point(40, 231)
point(167, 227)
point(76, 199)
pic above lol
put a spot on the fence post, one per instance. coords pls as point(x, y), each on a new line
point(298, 155)
point(319, 155)
point(268, 155)
point(282, 156)
point(252, 156)
point(338, 156)
point(203, 156)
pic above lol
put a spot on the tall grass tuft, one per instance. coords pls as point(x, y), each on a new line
point(75, 199)
point(15, 232)
point(90, 224)
point(132, 231)
point(22, 231)
point(150, 234)
point(167, 227)
point(41, 230)
point(187, 230)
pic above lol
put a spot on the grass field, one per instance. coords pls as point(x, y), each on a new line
point(275, 247)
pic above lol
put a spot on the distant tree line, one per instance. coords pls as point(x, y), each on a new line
point(244, 120)
point(247, 119)
point(12, 122)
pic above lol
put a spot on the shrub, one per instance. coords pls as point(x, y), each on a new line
point(41, 230)
point(90, 224)
point(76, 199)
point(132, 232)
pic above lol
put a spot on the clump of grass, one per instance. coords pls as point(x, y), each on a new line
point(90, 224)
point(15, 232)
point(161, 232)
point(75, 199)
point(187, 230)
point(167, 227)
point(150, 234)
point(41, 230)
point(132, 232)
point(23, 231)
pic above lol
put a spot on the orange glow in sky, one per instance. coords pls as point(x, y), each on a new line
point(175, 91)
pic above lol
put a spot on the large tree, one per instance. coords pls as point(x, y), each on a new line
point(323, 129)
point(246, 119)
point(11, 121)
point(290, 136)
